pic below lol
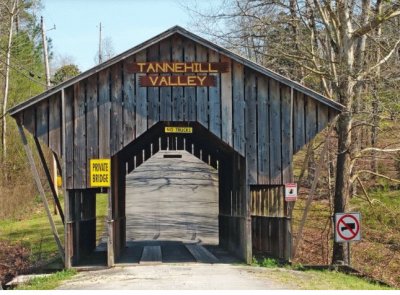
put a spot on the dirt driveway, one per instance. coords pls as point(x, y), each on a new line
point(189, 276)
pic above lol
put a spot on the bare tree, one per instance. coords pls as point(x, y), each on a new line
point(12, 10)
point(338, 46)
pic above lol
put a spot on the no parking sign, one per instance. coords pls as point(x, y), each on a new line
point(347, 227)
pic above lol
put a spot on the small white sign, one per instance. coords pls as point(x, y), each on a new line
point(290, 192)
point(347, 227)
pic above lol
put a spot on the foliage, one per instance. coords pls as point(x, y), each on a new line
point(34, 233)
point(48, 282)
point(65, 73)
point(265, 262)
point(332, 280)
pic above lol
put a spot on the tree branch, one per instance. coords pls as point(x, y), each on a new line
point(373, 173)
point(381, 62)
point(391, 12)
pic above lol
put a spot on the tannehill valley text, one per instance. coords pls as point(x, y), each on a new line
point(179, 67)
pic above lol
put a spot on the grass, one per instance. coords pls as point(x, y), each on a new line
point(34, 232)
point(332, 280)
point(101, 214)
point(297, 277)
point(49, 282)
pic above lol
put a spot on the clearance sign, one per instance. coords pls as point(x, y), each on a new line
point(100, 172)
point(196, 73)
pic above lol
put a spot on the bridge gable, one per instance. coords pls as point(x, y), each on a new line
point(262, 116)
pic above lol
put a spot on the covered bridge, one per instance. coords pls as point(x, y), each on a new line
point(243, 119)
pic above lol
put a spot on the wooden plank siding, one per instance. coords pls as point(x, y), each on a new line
point(153, 54)
point(202, 92)
point(275, 131)
point(55, 123)
point(250, 95)
point(189, 51)
point(92, 130)
point(117, 103)
point(80, 135)
point(263, 132)
point(42, 123)
point(248, 111)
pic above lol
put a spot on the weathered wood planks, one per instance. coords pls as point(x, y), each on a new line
point(258, 117)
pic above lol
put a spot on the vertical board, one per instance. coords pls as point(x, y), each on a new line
point(55, 123)
point(226, 102)
point(263, 130)
point(116, 109)
point(69, 137)
point(238, 107)
point(250, 95)
point(202, 92)
point(322, 121)
point(311, 118)
point(104, 114)
point(153, 92)
point(189, 92)
point(29, 119)
point(80, 135)
point(214, 98)
point(42, 121)
point(286, 111)
point(299, 139)
point(141, 100)
point(177, 92)
point(165, 92)
point(275, 133)
point(92, 137)
point(129, 102)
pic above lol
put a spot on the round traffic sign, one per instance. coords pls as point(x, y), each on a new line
point(348, 227)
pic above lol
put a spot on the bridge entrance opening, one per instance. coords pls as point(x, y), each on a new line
point(177, 198)
point(171, 208)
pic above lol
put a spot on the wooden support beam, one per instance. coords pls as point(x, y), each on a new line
point(41, 190)
point(321, 162)
point(49, 179)
point(59, 170)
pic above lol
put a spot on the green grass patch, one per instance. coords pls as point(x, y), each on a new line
point(332, 280)
point(49, 282)
point(265, 262)
point(101, 214)
point(34, 232)
point(321, 280)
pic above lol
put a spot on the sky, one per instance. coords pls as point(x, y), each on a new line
point(126, 22)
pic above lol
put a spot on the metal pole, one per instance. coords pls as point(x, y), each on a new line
point(348, 254)
point(48, 85)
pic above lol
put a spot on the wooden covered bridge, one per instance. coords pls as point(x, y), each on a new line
point(239, 117)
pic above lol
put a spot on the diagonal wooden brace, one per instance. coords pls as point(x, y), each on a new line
point(41, 190)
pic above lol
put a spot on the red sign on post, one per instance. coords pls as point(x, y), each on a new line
point(290, 192)
point(347, 227)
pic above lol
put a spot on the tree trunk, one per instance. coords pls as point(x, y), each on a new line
point(6, 82)
point(342, 179)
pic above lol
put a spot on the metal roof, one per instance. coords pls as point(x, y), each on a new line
point(177, 29)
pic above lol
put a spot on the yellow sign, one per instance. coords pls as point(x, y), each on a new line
point(59, 181)
point(178, 130)
point(100, 172)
